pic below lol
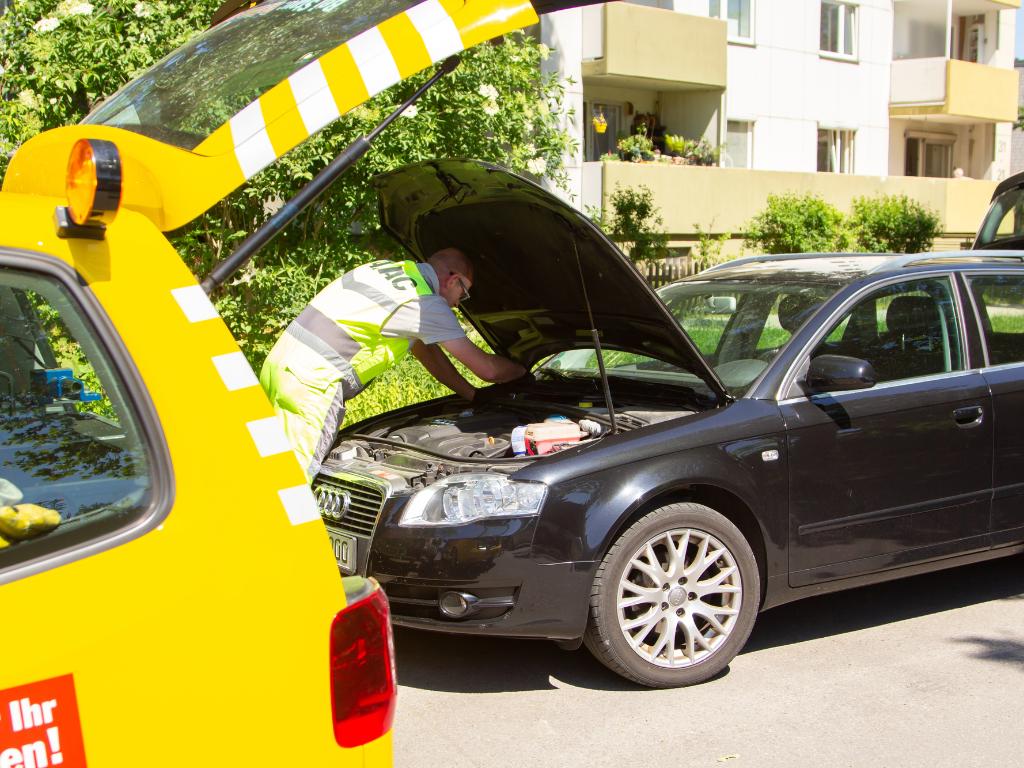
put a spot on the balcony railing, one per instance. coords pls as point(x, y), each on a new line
point(958, 90)
point(635, 46)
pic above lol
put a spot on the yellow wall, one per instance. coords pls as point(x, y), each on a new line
point(724, 199)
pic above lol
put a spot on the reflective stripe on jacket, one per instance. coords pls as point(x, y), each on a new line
point(333, 349)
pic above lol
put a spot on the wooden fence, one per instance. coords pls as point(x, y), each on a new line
point(667, 270)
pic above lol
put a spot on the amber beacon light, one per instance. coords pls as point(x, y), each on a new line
point(93, 190)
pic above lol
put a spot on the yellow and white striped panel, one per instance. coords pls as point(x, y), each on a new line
point(319, 93)
point(267, 433)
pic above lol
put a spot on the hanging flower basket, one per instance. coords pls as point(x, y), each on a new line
point(600, 123)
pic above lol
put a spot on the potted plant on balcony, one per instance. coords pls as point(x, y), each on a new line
point(701, 152)
point(636, 148)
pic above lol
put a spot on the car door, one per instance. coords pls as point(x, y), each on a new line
point(999, 302)
point(900, 472)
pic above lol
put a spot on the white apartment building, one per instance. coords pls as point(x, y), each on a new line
point(842, 98)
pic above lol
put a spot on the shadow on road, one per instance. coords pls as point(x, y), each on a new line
point(452, 663)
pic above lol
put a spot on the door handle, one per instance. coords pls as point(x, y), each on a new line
point(968, 416)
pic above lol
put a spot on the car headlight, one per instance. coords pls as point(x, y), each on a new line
point(464, 498)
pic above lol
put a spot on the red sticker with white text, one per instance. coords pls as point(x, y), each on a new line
point(39, 725)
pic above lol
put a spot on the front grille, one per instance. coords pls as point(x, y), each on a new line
point(350, 506)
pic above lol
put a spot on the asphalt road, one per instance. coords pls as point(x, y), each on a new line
point(926, 671)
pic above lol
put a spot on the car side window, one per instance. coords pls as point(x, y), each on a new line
point(1000, 302)
point(72, 465)
point(904, 330)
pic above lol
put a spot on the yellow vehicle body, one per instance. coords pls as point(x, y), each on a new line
point(187, 645)
point(176, 640)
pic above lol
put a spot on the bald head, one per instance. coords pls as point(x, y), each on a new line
point(451, 260)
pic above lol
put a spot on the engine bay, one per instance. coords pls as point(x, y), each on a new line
point(415, 447)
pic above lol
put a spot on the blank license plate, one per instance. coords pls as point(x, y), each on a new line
point(344, 547)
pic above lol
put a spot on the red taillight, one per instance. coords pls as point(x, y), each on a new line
point(363, 670)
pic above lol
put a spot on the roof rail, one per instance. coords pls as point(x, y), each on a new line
point(963, 257)
point(766, 257)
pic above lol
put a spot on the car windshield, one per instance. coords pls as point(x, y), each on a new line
point(185, 97)
point(739, 323)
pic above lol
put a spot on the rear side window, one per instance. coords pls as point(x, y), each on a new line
point(1000, 302)
point(904, 330)
point(73, 467)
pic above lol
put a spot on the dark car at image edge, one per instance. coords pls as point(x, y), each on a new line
point(777, 427)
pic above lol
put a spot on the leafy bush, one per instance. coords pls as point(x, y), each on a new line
point(792, 223)
point(708, 250)
point(59, 59)
point(635, 223)
point(893, 224)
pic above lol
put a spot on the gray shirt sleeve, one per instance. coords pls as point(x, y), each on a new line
point(427, 318)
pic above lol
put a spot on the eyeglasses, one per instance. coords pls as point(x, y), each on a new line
point(465, 290)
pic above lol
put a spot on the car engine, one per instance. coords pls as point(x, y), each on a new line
point(415, 447)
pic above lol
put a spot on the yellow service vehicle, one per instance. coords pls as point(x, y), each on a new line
point(162, 606)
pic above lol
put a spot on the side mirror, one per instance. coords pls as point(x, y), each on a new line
point(836, 373)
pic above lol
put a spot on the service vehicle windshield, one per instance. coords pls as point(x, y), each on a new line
point(739, 325)
point(182, 99)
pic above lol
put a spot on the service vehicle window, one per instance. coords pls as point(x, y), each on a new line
point(904, 330)
point(200, 86)
point(1000, 300)
point(72, 464)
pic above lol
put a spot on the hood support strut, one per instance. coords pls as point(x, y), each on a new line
point(320, 184)
point(597, 339)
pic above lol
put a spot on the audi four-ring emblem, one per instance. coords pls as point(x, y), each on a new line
point(333, 502)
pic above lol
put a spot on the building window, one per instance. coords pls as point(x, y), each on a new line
point(835, 150)
point(929, 156)
point(739, 14)
point(739, 144)
point(838, 28)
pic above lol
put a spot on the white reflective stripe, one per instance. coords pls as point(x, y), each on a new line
point(437, 29)
point(313, 97)
point(299, 504)
point(269, 436)
point(252, 144)
point(235, 371)
point(195, 303)
point(374, 60)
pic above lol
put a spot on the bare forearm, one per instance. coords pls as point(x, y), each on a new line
point(441, 368)
point(503, 369)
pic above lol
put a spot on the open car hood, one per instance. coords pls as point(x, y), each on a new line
point(536, 262)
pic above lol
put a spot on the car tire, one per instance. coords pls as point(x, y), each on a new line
point(664, 614)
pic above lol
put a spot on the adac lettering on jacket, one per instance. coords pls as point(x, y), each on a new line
point(395, 274)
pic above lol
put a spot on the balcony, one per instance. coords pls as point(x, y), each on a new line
point(633, 46)
point(953, 91)
point(724, 199)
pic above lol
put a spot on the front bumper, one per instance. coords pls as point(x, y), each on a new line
point(520, 594)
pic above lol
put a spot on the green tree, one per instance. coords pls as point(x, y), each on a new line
point(635, 223)
point(59, 59)
point(893, 224)
point(792, 223)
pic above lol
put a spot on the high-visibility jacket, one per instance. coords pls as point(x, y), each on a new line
point(333, 349)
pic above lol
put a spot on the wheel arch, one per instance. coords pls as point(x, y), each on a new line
point(723, 501)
